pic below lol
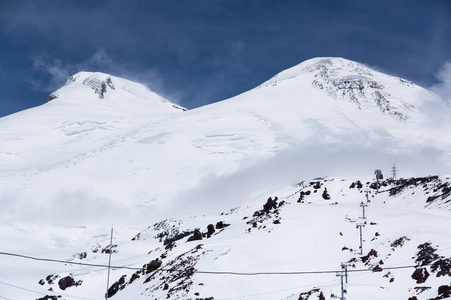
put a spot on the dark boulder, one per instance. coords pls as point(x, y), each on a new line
point(326, 195)
point(197, 236)
point(152, 266)
point(49, 298)
point(371, 254)
point(444, 291)
point(221, 225)
point(420, 275)
point(134, 277)
point(356, 184)
point(377, 269)
point(67, 282)
point(442, 267)
point(210, 230)
point(270, 203)
point(117, 286)
point(426, 254)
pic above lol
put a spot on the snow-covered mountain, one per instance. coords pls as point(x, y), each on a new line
point(115, 144)
point(104, 150)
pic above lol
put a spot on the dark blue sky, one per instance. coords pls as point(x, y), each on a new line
point(198, 52)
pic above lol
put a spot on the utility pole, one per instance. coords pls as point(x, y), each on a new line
point(379, 175)
point(361, 238)
point(109, 264)
point(341, 275)
point(344, 266)
point(394, 171)
point(363, 205)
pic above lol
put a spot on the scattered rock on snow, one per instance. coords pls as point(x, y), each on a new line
point(420, 289)
point(117, 286)
point(326, 195)
point(365, 259)
point(152, 266)
point(306, 295)
point(67, 282)
point(399, 242)
point(270, 203)
point(210, 230)
point(377, 269)
point(444, 291)
point(426, 254)
point(221, 225)
point(356, 184)
point(49, 298)
point(442, 266)
point(197, 236)
point(420, 275)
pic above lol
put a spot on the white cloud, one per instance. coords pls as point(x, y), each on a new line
point(305, 162)
point(54, 69)
point(100, 58)
point(443, 88)
point(56, 72)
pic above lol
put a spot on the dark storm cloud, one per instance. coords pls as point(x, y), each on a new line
point(198, 52)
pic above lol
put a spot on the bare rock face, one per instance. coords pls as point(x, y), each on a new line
point(360, 88)
point(98, 85)
point(52, 96)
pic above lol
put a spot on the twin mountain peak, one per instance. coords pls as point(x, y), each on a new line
point(336, 79)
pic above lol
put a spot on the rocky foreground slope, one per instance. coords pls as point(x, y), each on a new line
point(289, 244)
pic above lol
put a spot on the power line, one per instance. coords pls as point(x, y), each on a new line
point(263, 273)
point(300, 272)
point(21, 288)
point(67, 262)
point(315, 285)
point(36, 292)
point(206, 272)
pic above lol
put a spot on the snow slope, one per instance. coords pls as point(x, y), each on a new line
point(106, 150)
point(127, 149)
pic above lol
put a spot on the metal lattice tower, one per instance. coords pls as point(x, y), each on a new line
point(394, 171)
